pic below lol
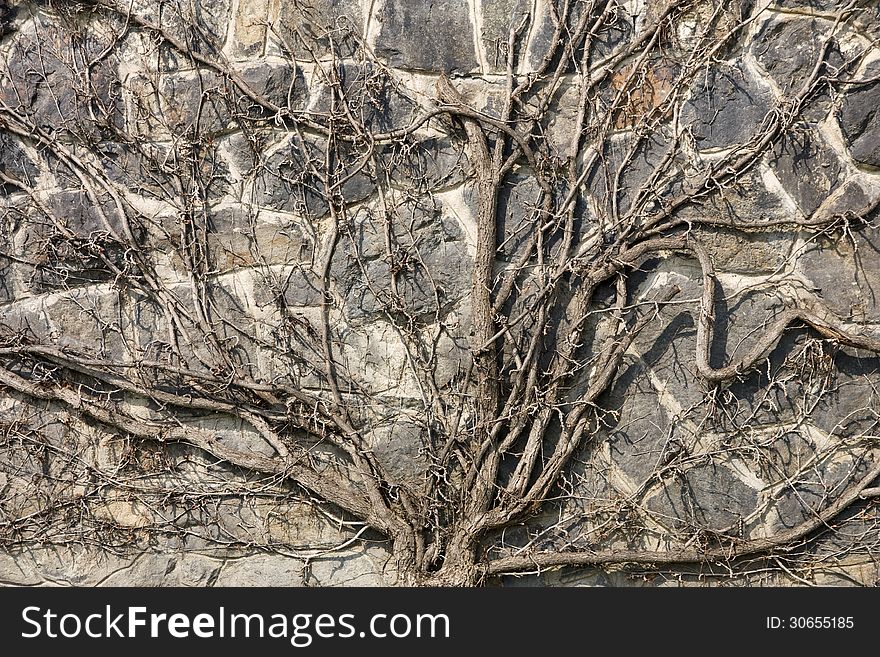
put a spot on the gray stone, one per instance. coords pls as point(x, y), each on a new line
point(519, 203)
point(427, 165)
point(401, 447)
point(262, 570)
point(640, 439)
point(766, 396)
point(15, 164)
point(788, 50)
point(815, 488)
point(7, 16)
point(138, 168)
point(726, 106)
point(848, 280)
point(846, 405)
point(46, 84)
point(162, 569)
point(782, 458)
point(742, 253)
point(352, 567)
point(310, 28)
point(238, 237)
point(202, 26)
point(745, 202)
point(740, 324)
point(372, 96)
point(499, 17)
point(69, 247)
point(617, 29)
point(289, 287)
point(827, 6)
point(807, 167)
point(286, 182)
point(709, 497)
point(436, 36)
point(860, 122)
point(428, 260)
point(76, 211)
point(279, 82)
point(853, 201)
point(197, 101)
point(645, 172)
point(452, 358)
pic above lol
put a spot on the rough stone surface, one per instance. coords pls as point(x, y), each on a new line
point(427, 260)
point(435, 36)
point(726, 107)
point(287, 181)
point(310, 28)
point(788, 49)
point(42, 79)
point(705, 497)
point(860, 122)
point(807, 167)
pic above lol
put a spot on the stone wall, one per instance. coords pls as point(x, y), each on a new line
point(176, 143)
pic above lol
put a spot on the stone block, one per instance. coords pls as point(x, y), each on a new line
point(435, 37)
point(727, 106)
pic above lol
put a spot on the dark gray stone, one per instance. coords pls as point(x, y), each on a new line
point(15, 164)
point(782, 458)
point(401, 448)
point(817, 487)
point(286, 182)
point(75, 211)
point(519, 203)
point(64, 249)
point(788, 50)
point(309, 28)
point(707, 497)
point(202, 26)
point(848, 280)
point(281, 83)
point(196, 101)
point(747, 201)
point(47, 83)
point(852, 201)
point(807, 167)
point(821, 5)
point(642, 163)
point(640, 439)
point(499, 16)
point(846, 405)
point(290, 287)
point(768, 395)
point(7, 16)
point(436, 36)
point(860, 122)
point(138, 168)
point(371, 95)
point(740, 324)
point(726, 106)
point(427, 165)
point(429, 262)
point(618, 28)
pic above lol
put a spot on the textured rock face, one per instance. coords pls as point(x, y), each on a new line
point(282, 238)
point(432, 36)
point(860, 122)
point(727, 107)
